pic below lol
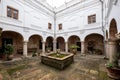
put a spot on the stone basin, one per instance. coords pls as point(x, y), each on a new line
point(56, 62)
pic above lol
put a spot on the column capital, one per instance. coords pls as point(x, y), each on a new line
point(82, 41)
point(54, 41)
point(25, 41)
point(66, 42)
point(112, 40)
point(43, 42)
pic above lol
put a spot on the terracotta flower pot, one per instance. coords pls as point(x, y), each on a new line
point(10, 57)
point(74, 51)
point(113, 73)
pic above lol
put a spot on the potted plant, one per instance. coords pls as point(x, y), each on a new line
point(34, 54)
point(113, 64)
point(9, 51)
point(74, 48)
point(113, 68)
point(58, 51)
point(48, 49)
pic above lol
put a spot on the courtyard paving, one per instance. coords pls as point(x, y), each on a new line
point(89, 67)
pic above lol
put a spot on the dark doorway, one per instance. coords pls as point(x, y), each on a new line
point(6, 41)
point(40, 44)
point(57, 45)
point(78, 44)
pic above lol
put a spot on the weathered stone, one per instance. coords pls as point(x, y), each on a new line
point(84, 68)
point(59, 63)
point(94, 72)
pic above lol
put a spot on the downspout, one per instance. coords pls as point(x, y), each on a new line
point(54, 41)
point(0, 31)
point(104, 37)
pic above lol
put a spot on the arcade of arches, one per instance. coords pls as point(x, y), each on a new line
point(92, 44)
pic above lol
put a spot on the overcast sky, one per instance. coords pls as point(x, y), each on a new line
point(57, 3)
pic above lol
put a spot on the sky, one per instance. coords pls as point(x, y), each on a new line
point(56, 3)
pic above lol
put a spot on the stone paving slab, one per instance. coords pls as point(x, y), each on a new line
point(84, 68)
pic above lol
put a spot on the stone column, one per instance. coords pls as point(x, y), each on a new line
point(82, 47)
point(25, 48)
point(43, 47)
point(106, 49)
point(66, 47)
point(112, 49)
point(54, 45)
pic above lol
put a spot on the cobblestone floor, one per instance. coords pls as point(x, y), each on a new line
point(90, 67)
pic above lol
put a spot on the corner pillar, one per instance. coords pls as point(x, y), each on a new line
point(25, 48)
point(54, 45)
point(66, 47)
point(111, 49)
point(82, 47)
point(43, 47)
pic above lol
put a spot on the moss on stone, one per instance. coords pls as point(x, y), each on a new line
point(17, 68)
point(58, 55)
point(103, 76)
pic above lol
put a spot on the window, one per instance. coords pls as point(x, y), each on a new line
point(60, 26)
point(11, 12)
point(92, 19)
point(49, 26)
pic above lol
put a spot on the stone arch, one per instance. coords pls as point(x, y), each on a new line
point(60, 43)
point(94, 43)
point(14, 38)
point(113, 29)
point(49, 42)
point(35, 44)
point(74, 39)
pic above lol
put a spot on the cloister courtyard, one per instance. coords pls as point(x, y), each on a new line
point(59, 40)
point(84, 67)
point(89, 61)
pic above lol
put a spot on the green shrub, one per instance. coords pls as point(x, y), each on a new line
point(8, 49)
point(74, 46)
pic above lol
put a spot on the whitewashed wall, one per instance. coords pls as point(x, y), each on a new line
point(34, 19)
point(75, 20)
point(114, 14)
point(31, 20)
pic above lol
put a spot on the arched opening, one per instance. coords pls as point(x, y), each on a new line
point(113, 29)
point(14, 38)
point(35, 44)
point(112, 35)
point(74, 40)
point(49, 43)
point(61, 43)
point(94, 44)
